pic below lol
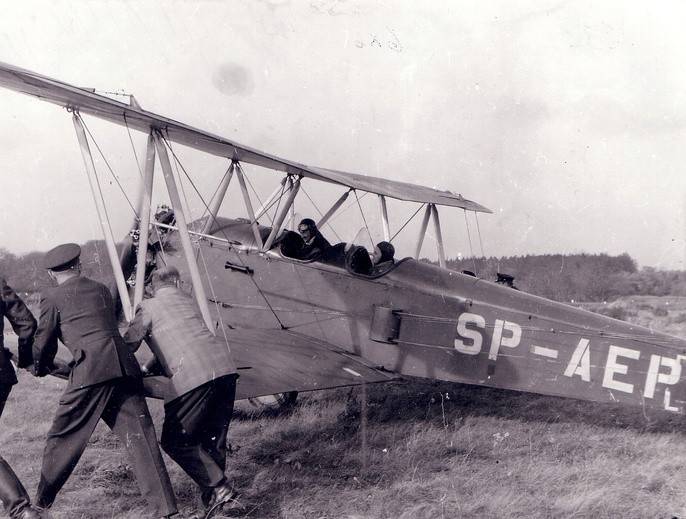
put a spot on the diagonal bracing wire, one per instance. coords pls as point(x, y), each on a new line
point(97, 146)
point(408, 221)
point(259, 289)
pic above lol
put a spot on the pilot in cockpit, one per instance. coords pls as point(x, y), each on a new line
point(314, 243)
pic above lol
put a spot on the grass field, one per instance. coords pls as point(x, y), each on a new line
point(410, 449)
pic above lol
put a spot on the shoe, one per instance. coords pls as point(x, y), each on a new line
point(221, 495)
point(28, 512)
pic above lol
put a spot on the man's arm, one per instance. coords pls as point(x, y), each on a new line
point(138, 331)
point(139, 328)
point(152, 367)
point(22, 321)
point(45, 340)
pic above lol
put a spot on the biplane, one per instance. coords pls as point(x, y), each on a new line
point(300, 325)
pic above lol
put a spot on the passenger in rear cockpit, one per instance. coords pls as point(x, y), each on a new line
point(382, 258)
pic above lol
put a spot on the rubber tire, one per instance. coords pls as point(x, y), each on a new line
point(278, 400)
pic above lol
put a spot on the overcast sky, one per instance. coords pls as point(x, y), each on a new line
point(567, 119)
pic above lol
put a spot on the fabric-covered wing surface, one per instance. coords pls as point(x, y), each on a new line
point(87, 102)
point(278, 361)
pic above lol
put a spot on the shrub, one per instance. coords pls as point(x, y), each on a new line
point(660, 312)
point(616, 312)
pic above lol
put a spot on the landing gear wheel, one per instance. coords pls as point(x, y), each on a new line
point(278, 400)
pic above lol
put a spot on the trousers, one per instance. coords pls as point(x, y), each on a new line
point(12, 493)
point(195, 430)
point(122, 407)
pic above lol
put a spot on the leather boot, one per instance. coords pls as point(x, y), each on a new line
point(13, 494)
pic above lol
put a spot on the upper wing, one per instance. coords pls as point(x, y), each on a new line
point(86, 101)
point(279, 361)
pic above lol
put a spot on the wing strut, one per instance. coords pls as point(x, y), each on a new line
point(102, 214)
point(267, 205)
point(422, 231)
point(293, 188)
point(248, 204)
point(221, 193)
point(333, 209)
point(384, 218)
point(439, 236)
point(144, 212)
point(182, 225)
point(431, 211)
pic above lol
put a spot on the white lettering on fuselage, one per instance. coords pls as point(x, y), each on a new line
point(544, 352)
point(612, 367)
point(580, 363)
point(620, 361)
point(654, 376)
point(473, 337)
point(498, 340)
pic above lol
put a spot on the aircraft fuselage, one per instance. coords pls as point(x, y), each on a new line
point(422, 320)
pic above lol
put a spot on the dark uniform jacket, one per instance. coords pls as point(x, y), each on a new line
point(188, 353)
point(313, 248)
point(80, 313)
point(23, 324)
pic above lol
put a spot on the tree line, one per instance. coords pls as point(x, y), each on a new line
point(566, 278)
point(578, 277)
point(26, 274)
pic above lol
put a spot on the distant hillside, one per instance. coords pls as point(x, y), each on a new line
point(666, 314)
